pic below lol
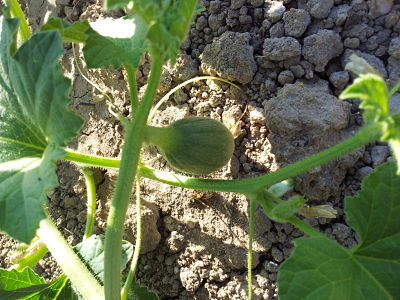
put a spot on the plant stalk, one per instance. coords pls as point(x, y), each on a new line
point(248, 186)
point(135, 258)
point(131, 71)
point(123, 189)
point(69, 262)
point(91, 202)
point(252, 211)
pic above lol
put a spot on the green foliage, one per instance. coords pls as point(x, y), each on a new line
point(92, 252)
point(104, 46)
point(320, 268)
point(168, 22)
point(139, 292)
point(373, 92)
point(287, 209)
point(34, 126)
point(26, 284)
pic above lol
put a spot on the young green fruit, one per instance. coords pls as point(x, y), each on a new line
point(193, 145)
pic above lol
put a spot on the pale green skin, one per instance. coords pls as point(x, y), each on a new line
point(193, 145)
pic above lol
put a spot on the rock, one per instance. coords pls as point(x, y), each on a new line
point(320, 9)
point(201, 23)
point(296, 22)
point(256, 3)
point(274, 11)
point(285, 77)
point(283, 48)
point(230, 57)
point(339, 79)
point(394, 48)
point(257, 116)
point(379, 154)
point(236, 4)
point(341, 231)
point(394, 70)
point(394, 104)
point(214, 6)
point(321, 47)
point(150, 235)
point(184, 69)
point(339, 14)
point(277, 30)
point(216, 22)
point(302, 120)
point(374, 61)
point(363, 172)
point(352, 43)
point(379, 7)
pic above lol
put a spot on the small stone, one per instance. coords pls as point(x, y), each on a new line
point(271, 266)
point(379, 155)
point(339, 79)
point(278, 49)
point(256, 3)
point(339, 14)
point(257, 116)
point(364, 171)
point(246, 19)
point(296, 22)
point(216, 22)
point(217, 58)
point(236, 4)
point(214, 6)
point(297, 71)
point(379, 7)
point(277, 30)
point(201, 23)
point(320, 9)
point(275, 11)
point(285, 77)
point(277, 254)
point(352, 43)
point(394, 48)
point(321, 47)
point(341, 231)
point(180, 97)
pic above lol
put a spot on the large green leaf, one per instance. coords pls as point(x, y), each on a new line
point(34, 126)
point(168, 22)
point(108, 42)
point(26, 284)
point(320, 268)
point(92, 252)
point(139, 292)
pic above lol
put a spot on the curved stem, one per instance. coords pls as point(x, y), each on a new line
point(252, 211)
point(131, 71)
point(244, 186)
point(123, 189)
point(81, 278)
point(135, 258)
point(91, 202)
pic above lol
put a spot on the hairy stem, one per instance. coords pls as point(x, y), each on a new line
point(69, 262)
point(244, 186)
point(91, 201)
point(252, 211)
point(131, 71)
point(135, 258)
point(123, 189)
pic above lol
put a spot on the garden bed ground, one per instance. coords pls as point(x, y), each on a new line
point(288, 57)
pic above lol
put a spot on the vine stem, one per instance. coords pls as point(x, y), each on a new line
point(123, 189)
point(91, 202)
point(69, 262)
point(131, 72)
point(138, 245)
point(252, 211)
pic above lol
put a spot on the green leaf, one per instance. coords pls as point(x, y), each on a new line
point(115, 42)
point(70, 33)
point(34, 126)
point(91, 251)
point(320, 268)
point(26, 284)
point(139, 292)
point(373, 92)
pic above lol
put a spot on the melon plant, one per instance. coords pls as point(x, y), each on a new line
point(35, 126)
